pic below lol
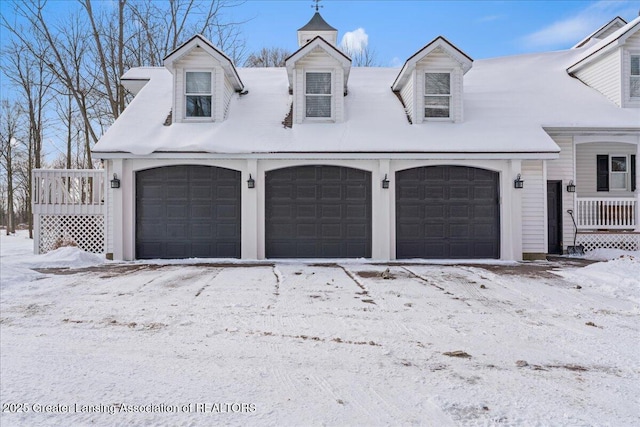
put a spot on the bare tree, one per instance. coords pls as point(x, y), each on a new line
point(364, 57)
point(9, 126)
point(267, 57)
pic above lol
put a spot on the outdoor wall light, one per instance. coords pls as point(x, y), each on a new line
point(571, 187)
point(251, 183)
point(518, 183)
point(385, 182)
point(115, 182)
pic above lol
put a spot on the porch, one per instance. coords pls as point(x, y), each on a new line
point(607, 223)
point(69, 209)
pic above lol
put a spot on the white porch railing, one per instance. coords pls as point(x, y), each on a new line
point(606, 213)
point(69, 209)
point(68, 191)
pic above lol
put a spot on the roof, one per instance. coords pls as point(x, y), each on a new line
point(508, 102)
point(614, 24)
point(319, 42)
point(317, 23)
point(595, 51)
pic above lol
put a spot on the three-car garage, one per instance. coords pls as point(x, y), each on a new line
point(318, 211)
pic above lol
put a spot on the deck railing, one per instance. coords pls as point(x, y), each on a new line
point(606, 213)
point(68, 191)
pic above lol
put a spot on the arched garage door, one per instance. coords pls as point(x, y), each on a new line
point(187, 211)
point(447, 212)
point(318, 212)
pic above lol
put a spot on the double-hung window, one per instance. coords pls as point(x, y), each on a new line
point(318, 95)
point(198, 94)
point(437, 95)
point(619, 171)
point(616, 172)
point(634, 77)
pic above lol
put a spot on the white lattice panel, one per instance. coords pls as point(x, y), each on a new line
point(624, 241)
point(83, 231)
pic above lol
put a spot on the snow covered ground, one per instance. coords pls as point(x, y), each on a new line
point(546, 343)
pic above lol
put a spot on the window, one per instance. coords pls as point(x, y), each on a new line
point(634, 82)
point(318, 95)
point(615, 172)
point(198, 93)
point(437, 91)
point(618, 172)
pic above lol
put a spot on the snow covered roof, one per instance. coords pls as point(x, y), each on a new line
point(595, 51)
point(508, 102)
point(615, 24)
point(318, 43)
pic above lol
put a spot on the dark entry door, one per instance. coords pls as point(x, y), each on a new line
point(447, 212)
point(318, 212)
point(188, 211)
point(554, 216)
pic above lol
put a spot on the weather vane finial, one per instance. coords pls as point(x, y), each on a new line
point(317, 4)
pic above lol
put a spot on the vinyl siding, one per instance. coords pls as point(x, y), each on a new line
point(228, 93)
point(198, 59)
point(108, 221)
point(604, 76)
point(439, 60)
point(562, 169)
point(407, 94)
point(318, 60)
point(534, 230)
point(586, 168)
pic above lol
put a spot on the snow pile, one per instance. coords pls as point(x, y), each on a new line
point(609, 254)
point(17, 260)
point(618, 278)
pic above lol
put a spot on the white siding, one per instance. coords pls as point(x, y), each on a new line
point(228, 93)
point(407, 94)
point(631, 47)
point(438, 60)
point(604, 76)
point(108, 221)
point(318, 60)
point(534, 229)
point(586, 167)
point(562, 169)
point(198, 59)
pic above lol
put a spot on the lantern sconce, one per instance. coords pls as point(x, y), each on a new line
point(115, 182)
point(251, 183)
point(385, 182)
point(518, 182)
point(571, 187)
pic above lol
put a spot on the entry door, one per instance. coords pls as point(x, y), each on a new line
point(554, 216)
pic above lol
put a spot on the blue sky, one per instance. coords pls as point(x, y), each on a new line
point(397, 29)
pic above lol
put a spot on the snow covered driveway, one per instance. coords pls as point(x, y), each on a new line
point(299, 344)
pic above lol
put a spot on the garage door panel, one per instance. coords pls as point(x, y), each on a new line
point(187, 211)
point(453, 208)
point(328, 215)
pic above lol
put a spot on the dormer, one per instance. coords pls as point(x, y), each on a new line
point(317, 26)
point(601, 33)
point(612, 66)
point(318, 73)
point(204, 80)
point(430, 83)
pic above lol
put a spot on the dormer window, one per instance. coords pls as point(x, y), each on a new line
point(437, 99)
point(198, 94)
point(318, 95)
point(634, 82)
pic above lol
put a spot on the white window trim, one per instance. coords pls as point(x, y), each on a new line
point(627, 173)
point(628, 66)
point(451, 96)
point(185, 94)
point(332, 95)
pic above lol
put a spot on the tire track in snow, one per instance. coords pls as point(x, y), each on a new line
point(209, 282)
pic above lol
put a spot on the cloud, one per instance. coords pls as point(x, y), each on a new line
point(355, 41)
point(575, 28)
point(491, 18)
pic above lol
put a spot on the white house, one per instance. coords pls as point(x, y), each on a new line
point(444, 158)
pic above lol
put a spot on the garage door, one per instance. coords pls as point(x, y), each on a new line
point(447, 212)
point(188, 211)
point(318, 212)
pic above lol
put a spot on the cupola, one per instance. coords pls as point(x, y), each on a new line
point(317, 26)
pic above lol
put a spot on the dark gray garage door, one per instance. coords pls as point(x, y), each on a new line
point(188, 211)
point(318, 212)
point(447, 212)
